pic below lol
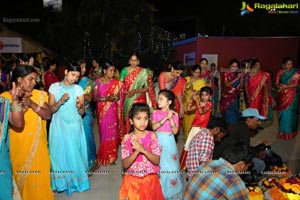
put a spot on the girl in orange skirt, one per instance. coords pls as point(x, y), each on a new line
point(140, 158)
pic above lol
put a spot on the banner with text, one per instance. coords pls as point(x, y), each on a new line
point(10, 45)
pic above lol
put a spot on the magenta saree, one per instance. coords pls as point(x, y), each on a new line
point(109, 121)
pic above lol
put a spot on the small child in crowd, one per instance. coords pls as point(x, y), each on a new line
point(203, 108)
point(166, 124)
point(140, 157)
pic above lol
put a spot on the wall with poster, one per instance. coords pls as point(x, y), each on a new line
point(189, 59)
point(212, 58)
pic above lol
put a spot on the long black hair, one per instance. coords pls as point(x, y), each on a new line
point(21, 71)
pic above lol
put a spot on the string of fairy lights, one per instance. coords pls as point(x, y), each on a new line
point(157, 43)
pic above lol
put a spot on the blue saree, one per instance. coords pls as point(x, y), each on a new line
point(88, 86)
point(6, 184)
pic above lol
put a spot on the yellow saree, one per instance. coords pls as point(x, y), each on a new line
point(29, 153)
point(190, 88)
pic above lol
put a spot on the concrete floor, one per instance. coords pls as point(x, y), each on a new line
point(105, 183)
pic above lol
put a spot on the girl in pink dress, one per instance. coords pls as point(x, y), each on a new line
point(140, 157)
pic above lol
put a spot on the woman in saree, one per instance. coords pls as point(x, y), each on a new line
point(109, 111)
point(175, 82)
point(258, 90)
point(205, 73)
point(229, 103)
point(11, 114)
point(88, 86)
point(138, 87)
point(193, 85)
point(287, 81)
point(28, 146)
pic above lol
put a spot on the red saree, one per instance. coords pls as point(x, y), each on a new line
point(177, 85)
point(259, 87)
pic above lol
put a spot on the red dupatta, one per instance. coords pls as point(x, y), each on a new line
point(257, 94)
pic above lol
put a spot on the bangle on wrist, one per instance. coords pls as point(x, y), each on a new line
point(160, 123)
point(16, 108)
point(173, 126)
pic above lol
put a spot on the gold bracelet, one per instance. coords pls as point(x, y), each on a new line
point(16, 108)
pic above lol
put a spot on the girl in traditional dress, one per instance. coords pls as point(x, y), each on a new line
point(166, 125)
point(67, 141)
point(140, 157)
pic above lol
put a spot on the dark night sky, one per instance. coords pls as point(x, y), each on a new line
point(215, 18)
point(219, 18)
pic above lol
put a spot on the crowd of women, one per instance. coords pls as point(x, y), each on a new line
point(47, 138)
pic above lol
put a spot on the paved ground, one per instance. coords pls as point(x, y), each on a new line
point(106, 182)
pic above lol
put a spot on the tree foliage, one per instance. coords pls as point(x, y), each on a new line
point(114, 29)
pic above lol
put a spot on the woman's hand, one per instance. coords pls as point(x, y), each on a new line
point(26, 101)
point(79, 105)
point(181, 113)
point(16, 92)
point(129, 93)
point(281, 87)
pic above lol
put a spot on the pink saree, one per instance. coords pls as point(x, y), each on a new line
point(109, 121)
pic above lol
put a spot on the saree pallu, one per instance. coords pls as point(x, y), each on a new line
point(29, 153)
point(137, 79)
point(109, 122)
point(88, 86)
point(190, 88)
point(141, 188)
point(288, 105)
point(183, 156)
point(176, 85)
point(259, 98)
point(6, 183)
point(229, 103)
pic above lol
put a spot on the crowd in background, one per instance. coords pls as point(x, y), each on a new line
point(52, 148)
